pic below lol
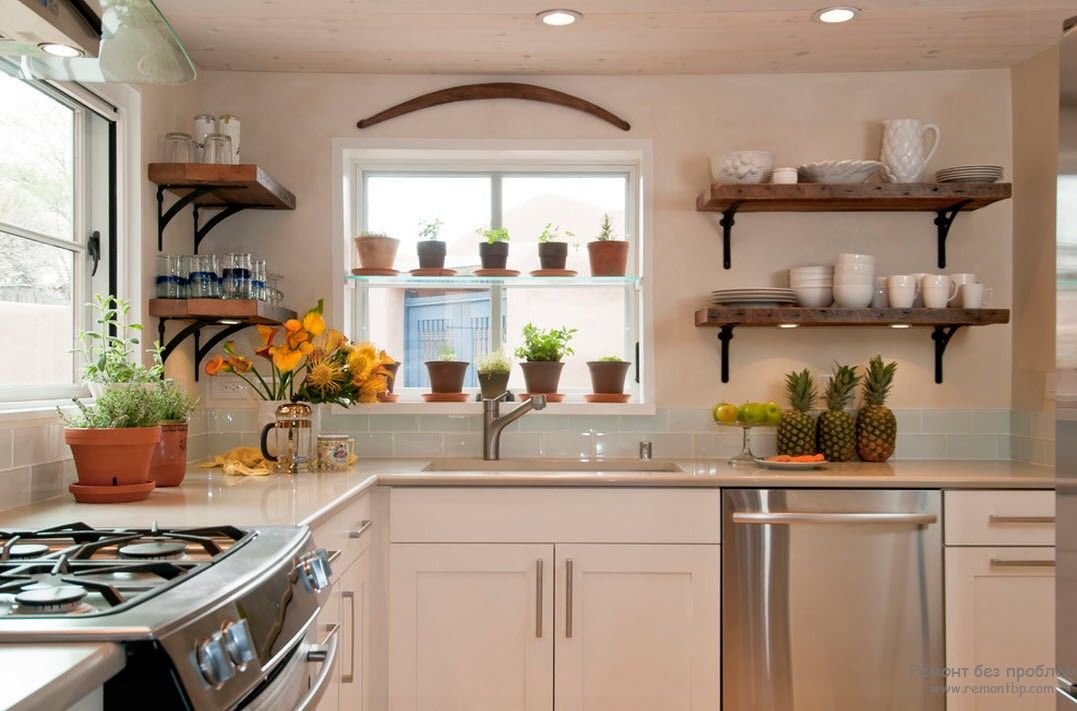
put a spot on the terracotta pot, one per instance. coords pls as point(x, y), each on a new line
point(494, 256)
point(542, 376)
point(431, 254)
point(608, 376)
point(493, 385)
point(608, 258)
point(447, 376)
point(553, 255)
point(169, 462)
point(392, 368)
point(113, 457)
point(377, 252)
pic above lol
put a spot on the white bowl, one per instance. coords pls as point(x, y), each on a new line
point(853, 296)
point(811, 271)
point(796, 283)
point(854, 282)
point(742, 167)
point(850, 258)
point(839, 171)
point(814, 296)
point(854, 269)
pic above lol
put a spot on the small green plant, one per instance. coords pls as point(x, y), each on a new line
point(552, 233)
point(545, 344)
point(118, 407)
point(605, 232)
point(368, 233)
point(428, 229)
point(611, 359)
point(493, 236)
point(493, 363)
point(446, 352)
point(176, 405)
point(110, 352)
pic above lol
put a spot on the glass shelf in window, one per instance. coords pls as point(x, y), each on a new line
point(407, 281)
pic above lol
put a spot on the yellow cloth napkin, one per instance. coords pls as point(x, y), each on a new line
point(240, 461)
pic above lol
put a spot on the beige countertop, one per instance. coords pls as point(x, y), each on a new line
point(55, 676)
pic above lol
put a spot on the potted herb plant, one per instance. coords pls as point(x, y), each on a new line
point(608, 255)
point(376, 250)
point(494, 249)
point(493, 370)
point(169, 462)
point(430, 249)
point(447, 373)
point(553, 253)
point(110, 351)
point(542, 352)
point(608, 375)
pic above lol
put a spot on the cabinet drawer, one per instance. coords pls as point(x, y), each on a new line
point(348, 531)
point(999, 518)
point(517, 515)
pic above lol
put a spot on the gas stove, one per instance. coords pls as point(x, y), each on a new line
point(210, 618)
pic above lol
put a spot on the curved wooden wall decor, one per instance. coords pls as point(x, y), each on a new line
point(495, 90)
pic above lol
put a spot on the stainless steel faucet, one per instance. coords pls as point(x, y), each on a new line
point(493, 423)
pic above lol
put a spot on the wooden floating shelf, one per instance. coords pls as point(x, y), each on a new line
point(246, 310)
point(245, 185)
point(943, 322)
point(946, 200)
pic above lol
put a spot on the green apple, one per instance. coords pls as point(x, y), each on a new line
point(725, 413)
point(750, 413)
point(772, 413)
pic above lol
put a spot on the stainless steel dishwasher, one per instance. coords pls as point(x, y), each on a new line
point(832, 600)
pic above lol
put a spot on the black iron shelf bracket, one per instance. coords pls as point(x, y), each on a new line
point(725, 335)
point(944, 219)
point(726, 222)
point(941, 335)
point(164, 217)
point(194, 329)
point(201, 232)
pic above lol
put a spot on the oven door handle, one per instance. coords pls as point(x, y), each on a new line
point(789, 517)
point(326, 653)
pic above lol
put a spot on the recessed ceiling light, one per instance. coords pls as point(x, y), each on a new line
point(559, 17)
point(835, 15)
point(60, 50)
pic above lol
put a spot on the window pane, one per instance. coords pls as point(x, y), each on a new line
point(36, 307)
point(36, 160)
point(396, 205)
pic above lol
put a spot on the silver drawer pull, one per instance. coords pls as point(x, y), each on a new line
point(568, 598)
point(1000, 563)
point(1020, 519)
point(363, 528)
point(860, 518)
point(333, 555)
point(538, 598)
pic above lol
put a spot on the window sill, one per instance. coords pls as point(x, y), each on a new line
point(31, 410)
point(475, 408)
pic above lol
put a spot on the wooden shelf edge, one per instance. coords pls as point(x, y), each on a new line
point(713, 317)
point(851, 197)
point(242, 310)
point(244, 185)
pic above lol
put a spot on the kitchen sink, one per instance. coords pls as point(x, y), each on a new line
point(553, 465)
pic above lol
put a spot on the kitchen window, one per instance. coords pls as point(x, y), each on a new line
point(415, 322)
point(56, 214)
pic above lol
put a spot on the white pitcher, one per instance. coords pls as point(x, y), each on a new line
point(903, 149)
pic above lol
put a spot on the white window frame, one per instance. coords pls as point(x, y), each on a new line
point(354, 158)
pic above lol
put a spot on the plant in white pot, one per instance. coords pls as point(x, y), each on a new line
point(110, 351)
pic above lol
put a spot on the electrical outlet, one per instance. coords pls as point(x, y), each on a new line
point(228, 388)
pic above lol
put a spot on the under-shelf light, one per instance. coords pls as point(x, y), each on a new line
point(229, 322)
point(900, 325)
point(788, 325)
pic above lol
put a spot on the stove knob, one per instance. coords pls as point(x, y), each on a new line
point(237, 642)
point(314, 571)
point(213, 661)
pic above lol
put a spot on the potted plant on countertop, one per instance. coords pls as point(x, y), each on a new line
point(377, 252)
point(553, 253)
point(446, 377)
point(542, 352)
point(169, 463)
point(494, 249)
point(608, 255)
point(608, 379)
point(430, 249)
point(493, 370)
point(109, 351)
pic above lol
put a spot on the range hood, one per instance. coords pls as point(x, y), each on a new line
point(93, 41)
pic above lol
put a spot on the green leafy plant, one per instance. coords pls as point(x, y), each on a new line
point(110, 352)
point(545, 344)
point(605, 232)
point(115, 408)
point(429, 229)
point(367, 233)
point(552, 233)
point(493, 363)
point(611, 359)
point(446, 352)
point(176, 404)
point(493, 236)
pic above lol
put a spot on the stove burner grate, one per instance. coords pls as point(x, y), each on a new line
point(153, 549)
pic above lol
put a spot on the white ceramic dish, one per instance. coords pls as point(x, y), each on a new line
point(839, 171)
point(852, 258)
point(853, 296)
point(815, 297)
point(791, 466)
point(742, 167)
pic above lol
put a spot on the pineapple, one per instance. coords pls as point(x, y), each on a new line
point(836, 429)
point(796, 430)
point(876, 426)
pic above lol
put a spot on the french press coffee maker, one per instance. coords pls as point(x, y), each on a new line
point(293, 437)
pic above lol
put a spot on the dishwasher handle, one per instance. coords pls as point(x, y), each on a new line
point(763, 518)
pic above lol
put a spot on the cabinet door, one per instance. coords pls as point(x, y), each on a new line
point(470, 627)
point(638, 628)
point(329, 616)
point(354, 587)
point(1000, 605)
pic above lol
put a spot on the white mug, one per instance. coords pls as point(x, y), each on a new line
point(901, 291)
point(960, 279)
point(974, 295)
point(937, 290)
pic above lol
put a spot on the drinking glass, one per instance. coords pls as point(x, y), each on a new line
point(202, 277)
point(258, 280)
point(217, 149)
point(237, 276)
point(179, 148)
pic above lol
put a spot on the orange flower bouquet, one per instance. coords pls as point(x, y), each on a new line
point(309, 362)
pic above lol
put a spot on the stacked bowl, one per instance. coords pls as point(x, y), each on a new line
point(813, 286)
point(854, 280)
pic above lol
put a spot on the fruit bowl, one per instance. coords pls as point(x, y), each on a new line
point(747, 416)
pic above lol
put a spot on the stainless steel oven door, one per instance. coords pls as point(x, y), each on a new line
point(302, 680)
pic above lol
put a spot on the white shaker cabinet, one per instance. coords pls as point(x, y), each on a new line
point(637, 627)
point(354, 594)
point(471, 627)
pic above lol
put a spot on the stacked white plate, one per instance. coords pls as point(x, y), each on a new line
point(813, 286)
point(753, 297)
point(970, 174)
